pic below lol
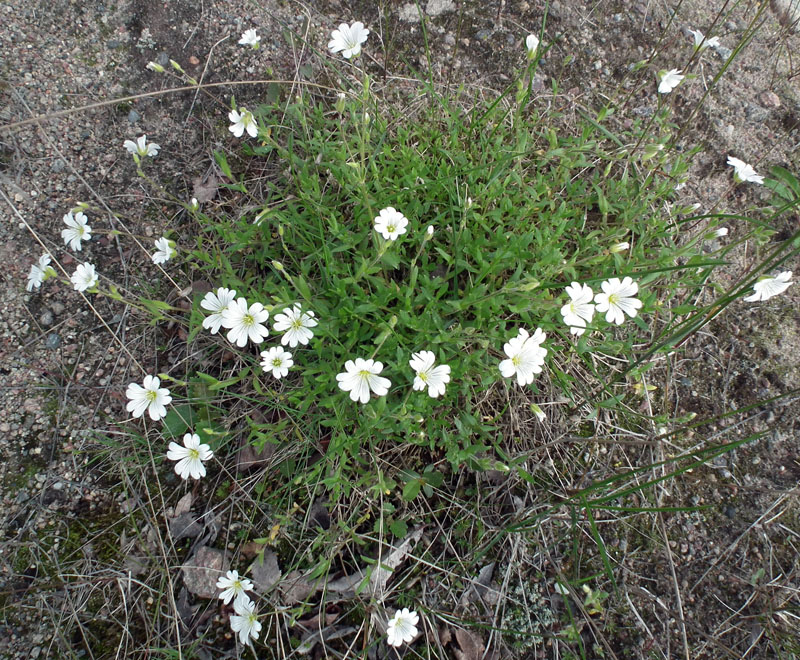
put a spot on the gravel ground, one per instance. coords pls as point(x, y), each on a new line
point(736, 565)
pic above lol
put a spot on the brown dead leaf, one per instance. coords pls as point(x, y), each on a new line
point(296, 588)
point(471, 644)
point(184, 526)
point(248, 458)
point(265, 571)
point(251, 549)
point(204, 190)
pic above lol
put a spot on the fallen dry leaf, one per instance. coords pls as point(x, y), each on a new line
point(265, 571)
point(388, 563)
point(204, 190)
point(472, 647)
point(296, 588)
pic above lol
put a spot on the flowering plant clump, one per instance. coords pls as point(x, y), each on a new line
point(527, 251)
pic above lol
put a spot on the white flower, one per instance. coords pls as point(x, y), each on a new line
point(194, 204)
point(743, 171)
point(720, 232)
point(579, 310)
point(250, 38)
point(532, 44)
point(536, 410)
point(617, 299)
point(402, 627)
point(241, 122)
point(151, 397)
point(141, 148)
point(766, 287)
point(278, 360)
point(296, 325)
point(390, 223)
point(234, 587)
point(360, 377)
point(39, 272)
point(348, 39)
point(77, 230)
point(165, 250)
point(245, 621)
point(619, 247)
point(669, 81)
point(245, 322)
point(700, 41)
point(217, 303)
point(84, 277)
point(525, 356)
point(434, 378)
point(430, 230)
point(190, 457)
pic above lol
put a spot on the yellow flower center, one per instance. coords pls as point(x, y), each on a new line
point(194, 454)
point(152, 395)
point(516, 361)
point(364, 374)
point(390, 228)
point(297, 324)
point(248, 320)
point(276, 362)
point(613, 299)
point(423, 376)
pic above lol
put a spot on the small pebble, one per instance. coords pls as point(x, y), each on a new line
point(46, 319)
point(729, 511)
point(134, 116)
point(53, 341)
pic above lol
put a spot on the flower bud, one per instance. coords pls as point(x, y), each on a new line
point(155, 66)
point(619, 247)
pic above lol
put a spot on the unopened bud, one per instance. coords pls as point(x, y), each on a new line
point(619, 247)
point(155, 66)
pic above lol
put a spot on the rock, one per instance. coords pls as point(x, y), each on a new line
point(437, 7)
point(408, 13)
point(134, 116)
point(769, 99)
point(163, 59)
point(57, 308)
point(57, 166)
point(46, 319)
point(113, 44)
point(201, 572)
point(723, 52)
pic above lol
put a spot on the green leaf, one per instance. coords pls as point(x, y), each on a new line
point(399, 528)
